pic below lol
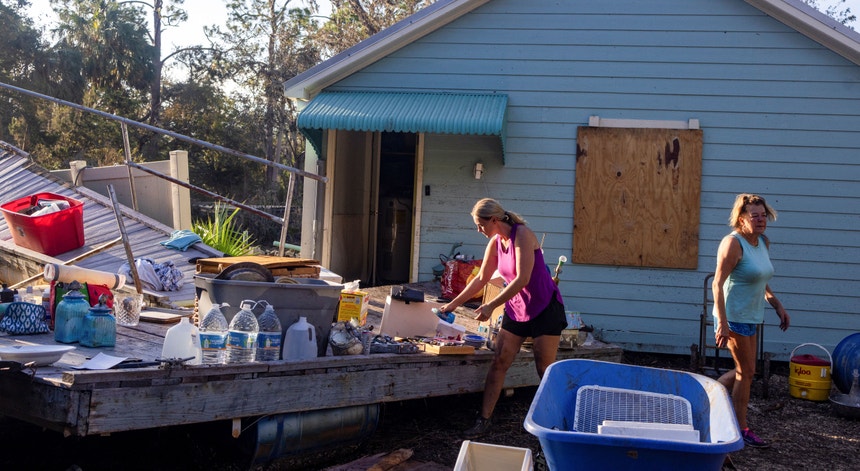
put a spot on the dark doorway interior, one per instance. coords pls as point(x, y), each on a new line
point(396, 197)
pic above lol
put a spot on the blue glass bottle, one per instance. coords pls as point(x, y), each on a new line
point(69, 315)
point(99, 328)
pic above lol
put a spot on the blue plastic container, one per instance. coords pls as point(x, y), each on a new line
point(552, 412)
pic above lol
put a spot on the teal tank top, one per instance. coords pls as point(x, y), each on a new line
point(745, 287)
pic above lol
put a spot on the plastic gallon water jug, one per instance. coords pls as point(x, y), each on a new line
point(300, 342)
point(182, 341)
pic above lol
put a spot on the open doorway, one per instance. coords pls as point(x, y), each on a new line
point(371, 204)
point(395, 207)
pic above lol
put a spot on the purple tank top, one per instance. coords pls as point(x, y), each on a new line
point(537, 294)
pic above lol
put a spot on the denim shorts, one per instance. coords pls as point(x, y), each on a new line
point(746, 330)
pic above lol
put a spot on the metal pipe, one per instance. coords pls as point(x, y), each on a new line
point(167, 133)
point(132, 267)
point(127, 150)
point(208, 193)
point(287, 205)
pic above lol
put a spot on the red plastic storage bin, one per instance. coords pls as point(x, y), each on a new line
point(50, 234)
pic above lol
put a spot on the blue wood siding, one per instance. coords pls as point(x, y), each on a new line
point(780, 115)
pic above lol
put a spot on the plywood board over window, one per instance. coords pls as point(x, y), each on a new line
point(636, 197)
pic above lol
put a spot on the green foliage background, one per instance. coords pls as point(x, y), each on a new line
point(107, 55)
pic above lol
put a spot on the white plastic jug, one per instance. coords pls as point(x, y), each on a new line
point(300, 342)
point(182, 341)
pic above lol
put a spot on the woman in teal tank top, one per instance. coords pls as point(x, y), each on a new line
point(740, 290)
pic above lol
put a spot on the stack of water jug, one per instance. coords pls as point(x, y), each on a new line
point(246, 338)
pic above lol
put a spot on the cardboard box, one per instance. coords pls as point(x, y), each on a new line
point(448, 349)
point(476, 456)
point(401, 319)
point(491, 290)
point(50, 234)
point(353, 305)
point(450, 331)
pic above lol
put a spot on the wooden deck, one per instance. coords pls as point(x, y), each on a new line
point(85, 402)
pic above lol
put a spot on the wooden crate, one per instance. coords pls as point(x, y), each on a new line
point(448, 349)
point(279, 266)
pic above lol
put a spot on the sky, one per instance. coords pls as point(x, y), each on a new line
point(208, 12)
point(200, 13)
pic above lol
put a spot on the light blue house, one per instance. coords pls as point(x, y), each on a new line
point(560, 109)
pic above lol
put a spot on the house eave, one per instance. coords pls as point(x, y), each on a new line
point(793, 13)
point(307, 84)
point(814, 25)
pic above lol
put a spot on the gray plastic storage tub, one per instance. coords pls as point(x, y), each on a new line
point(314, 299)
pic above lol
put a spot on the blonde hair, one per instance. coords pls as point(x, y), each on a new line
point(746, 199)
point(487, 208)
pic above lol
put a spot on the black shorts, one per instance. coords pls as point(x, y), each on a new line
point(551, 321)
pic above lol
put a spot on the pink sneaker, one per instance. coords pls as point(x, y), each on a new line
point(751, 439)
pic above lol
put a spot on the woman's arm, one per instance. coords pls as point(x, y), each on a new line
point(784, 319)
point(488, 267)
point(728, 256)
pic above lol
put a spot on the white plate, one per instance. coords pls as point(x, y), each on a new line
point(40, 354)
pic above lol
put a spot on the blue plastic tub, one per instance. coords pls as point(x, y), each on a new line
point(552, 412)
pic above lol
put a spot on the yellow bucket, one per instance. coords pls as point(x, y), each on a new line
point(809, 376)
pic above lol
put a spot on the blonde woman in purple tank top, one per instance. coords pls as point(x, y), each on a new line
point(533, 303)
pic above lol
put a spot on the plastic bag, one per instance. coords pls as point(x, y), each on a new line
point(456, 276)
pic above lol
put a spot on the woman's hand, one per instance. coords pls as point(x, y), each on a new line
point(784, 319)
point(484, 311)
point(722, 335)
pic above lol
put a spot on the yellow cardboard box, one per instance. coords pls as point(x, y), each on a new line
point(353, 305)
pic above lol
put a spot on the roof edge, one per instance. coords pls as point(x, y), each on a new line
point(310, 82)
point(815, 25)
point(793, 13)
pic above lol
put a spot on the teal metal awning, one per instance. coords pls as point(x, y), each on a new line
point(438, 113)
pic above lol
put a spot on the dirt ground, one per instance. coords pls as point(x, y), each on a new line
point(805, 435)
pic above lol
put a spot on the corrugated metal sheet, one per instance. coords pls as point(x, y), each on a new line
point(20, 177)
point(438, 113)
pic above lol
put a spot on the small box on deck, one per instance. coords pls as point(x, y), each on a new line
point(476, 456)
point(450, 331)
point(491, 290)
point(52, 233)
point(402, 319)
point(353, 305)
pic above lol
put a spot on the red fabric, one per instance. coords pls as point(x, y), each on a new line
point(455, 277)
point(97, 290)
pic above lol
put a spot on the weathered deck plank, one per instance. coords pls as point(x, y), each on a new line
point(82, 402)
